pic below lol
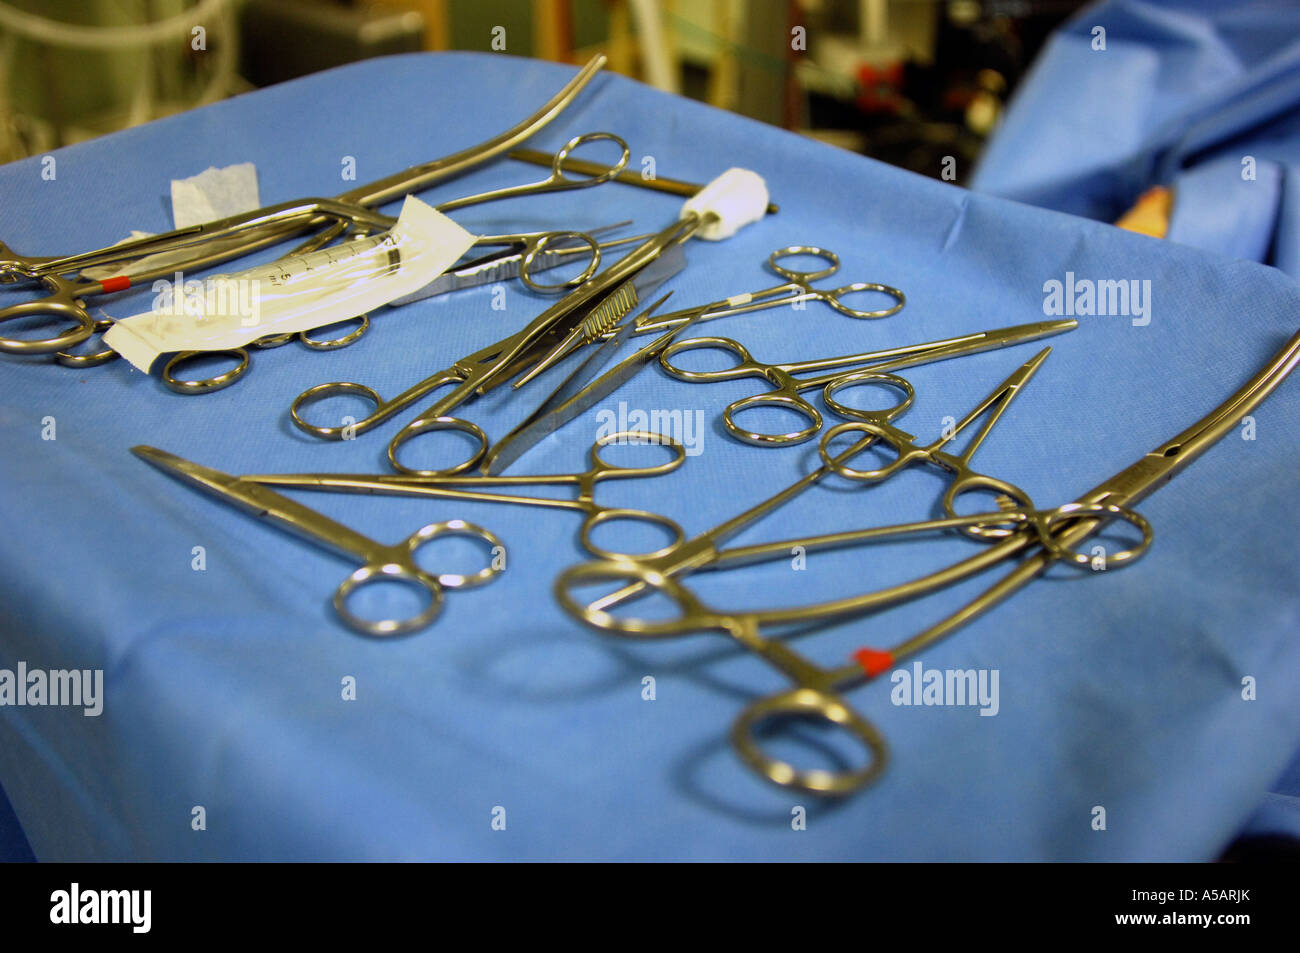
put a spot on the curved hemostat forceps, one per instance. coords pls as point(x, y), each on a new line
point(704, 550)
point(199, 246)
point(571, 399)
point(538, 251)
point(380, 562)
point(1045, 536)
point(789, 388)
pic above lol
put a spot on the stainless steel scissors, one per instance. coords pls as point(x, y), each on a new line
point(379, 561)
point(818, 691)
point(573, 397)
point(789, 388)
point(797, 288)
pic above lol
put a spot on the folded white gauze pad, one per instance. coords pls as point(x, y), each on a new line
point(214, 194)
point(202, 198)
point(737, 197)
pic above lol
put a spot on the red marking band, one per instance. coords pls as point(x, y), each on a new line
point(874, 661)
point(120, 283)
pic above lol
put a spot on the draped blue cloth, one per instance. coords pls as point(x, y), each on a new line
point(1161, 697)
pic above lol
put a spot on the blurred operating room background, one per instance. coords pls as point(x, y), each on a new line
point(905, 81)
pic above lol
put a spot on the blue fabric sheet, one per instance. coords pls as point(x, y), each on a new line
point(1198, 95)
point(1203, 97)
point(223, 687)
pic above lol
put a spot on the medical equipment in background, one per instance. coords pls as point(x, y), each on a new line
point(70, 70)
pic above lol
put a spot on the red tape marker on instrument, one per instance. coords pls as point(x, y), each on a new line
point(874, 661)
point(120, 283)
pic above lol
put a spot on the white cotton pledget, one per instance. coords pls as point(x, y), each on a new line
point(737, 198)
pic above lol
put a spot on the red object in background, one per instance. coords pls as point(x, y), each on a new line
point(879, 87)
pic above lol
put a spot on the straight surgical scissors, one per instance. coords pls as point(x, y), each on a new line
point(480, 488)
point(789, 388)
point(395, 563)
point(796, 289)
point(818, 691)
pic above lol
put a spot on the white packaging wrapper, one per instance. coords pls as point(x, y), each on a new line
point(293, 294)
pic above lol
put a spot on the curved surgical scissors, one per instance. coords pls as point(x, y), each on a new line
point(797, 288)
point(380, 562)
point(479, 488)
point(789, 388)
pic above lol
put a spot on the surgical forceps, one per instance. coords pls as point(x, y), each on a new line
point(704, 550)
point(491, 366)
point(379, 562)
point(878, 425)
point(818, 691)
point(240, 235)
point(480, 488)
point(566, 403)
point(796, 289)
point(789, 388)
